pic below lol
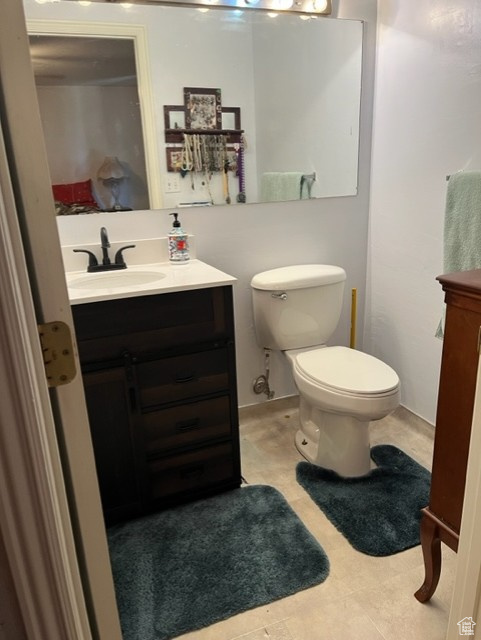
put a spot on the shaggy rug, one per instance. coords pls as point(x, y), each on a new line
point(379, 513)
point(188, 567)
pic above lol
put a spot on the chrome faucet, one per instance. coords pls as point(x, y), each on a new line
point(107, 264)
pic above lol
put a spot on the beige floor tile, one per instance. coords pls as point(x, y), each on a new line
point(398, 615)
point(343, 619)
point(276, 631)
point(363, 598)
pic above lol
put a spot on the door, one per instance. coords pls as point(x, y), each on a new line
point(66, 590)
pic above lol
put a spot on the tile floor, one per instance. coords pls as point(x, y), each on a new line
point(364, 598)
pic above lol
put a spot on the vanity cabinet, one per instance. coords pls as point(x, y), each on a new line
point(441, 520)
point(160, 385)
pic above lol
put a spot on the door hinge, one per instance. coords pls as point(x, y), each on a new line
point(58, 353)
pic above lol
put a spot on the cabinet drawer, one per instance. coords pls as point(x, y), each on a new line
point(186, 424)
point(190, 471)
point(105, 330)
point(182, 377)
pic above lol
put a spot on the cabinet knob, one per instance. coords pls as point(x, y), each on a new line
point(187, 425)
point(192, 472)
point(183, 376)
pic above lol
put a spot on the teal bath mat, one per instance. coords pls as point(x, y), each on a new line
point(188, 567)
point(379, 513)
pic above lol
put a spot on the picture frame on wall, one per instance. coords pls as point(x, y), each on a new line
point(203, 108)
point(174, 158)
point(174, 116)
point(231, 118)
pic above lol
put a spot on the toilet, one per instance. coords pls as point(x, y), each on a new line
point(341, 390)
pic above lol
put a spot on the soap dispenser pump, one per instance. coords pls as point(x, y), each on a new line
point(178, 242)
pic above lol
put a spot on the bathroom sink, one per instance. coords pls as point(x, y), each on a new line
point(114, 279)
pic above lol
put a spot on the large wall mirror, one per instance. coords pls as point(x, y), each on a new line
point(161, 106)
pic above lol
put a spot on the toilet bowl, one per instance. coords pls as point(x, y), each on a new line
point(341, 390)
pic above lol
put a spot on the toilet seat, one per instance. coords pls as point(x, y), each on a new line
point(347, 371)
point(370, 396)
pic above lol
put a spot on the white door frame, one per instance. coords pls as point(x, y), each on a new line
point(67, 588)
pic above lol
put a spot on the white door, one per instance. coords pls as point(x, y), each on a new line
point(47, 471)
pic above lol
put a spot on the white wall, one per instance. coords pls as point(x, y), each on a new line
point(427, 126)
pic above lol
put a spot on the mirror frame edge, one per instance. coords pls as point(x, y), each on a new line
point(136, 33)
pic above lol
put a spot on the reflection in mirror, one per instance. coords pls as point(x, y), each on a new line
point(89, 106)
point(288, 90)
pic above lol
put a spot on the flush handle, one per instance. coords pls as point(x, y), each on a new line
point(280, 296)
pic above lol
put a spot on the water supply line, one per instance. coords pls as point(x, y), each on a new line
point(261, 383)
point(353, 318)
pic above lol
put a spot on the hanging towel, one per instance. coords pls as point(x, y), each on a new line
point(280, 186)
point(462, 226)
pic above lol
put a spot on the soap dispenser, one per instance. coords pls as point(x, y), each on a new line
point(178, 242)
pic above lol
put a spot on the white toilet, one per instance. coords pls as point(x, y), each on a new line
point(341, 390)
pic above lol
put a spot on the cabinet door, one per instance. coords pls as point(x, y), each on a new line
point(109, 403)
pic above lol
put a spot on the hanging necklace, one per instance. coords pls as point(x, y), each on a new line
point(241, 196)
point(225, 170)
point(186, 155)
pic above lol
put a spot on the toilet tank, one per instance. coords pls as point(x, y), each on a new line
point(297, 306)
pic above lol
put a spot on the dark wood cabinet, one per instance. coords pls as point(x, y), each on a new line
point(160, 385)
point(441, 520)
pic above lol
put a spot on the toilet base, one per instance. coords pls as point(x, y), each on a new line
point(307, 448)
point(333, 441)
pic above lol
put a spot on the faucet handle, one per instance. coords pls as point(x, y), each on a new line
point(93, 262)
point(119, 258)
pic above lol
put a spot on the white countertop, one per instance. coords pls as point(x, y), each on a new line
point(193, 274)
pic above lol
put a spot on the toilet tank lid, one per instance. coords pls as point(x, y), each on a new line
point(298, 276)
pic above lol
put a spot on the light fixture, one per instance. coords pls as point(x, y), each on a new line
point(282, 5)
point(112, 174)
point(319, 5)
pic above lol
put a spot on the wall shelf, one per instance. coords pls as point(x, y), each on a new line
point(176, 136)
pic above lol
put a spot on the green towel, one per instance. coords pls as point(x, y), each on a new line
point(281, 186)
point(462, 226)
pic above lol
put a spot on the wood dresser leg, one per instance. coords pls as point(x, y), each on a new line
point(431, 546)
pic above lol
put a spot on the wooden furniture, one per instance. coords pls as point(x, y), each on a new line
point(160, 385)
point(441, 520)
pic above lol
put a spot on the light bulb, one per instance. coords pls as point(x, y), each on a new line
point(319, 5)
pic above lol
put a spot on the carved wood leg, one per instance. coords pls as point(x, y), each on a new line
point(431, 546)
